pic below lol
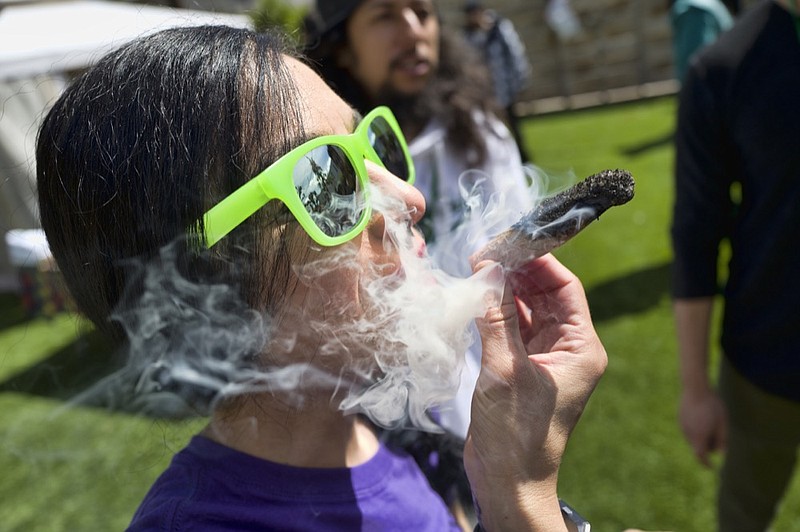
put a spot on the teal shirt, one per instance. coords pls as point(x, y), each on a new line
point(695, 23)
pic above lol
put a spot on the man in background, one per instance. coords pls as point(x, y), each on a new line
point(397, 53)
point(737, 177)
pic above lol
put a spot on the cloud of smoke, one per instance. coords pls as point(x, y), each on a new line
point(489, 205)
point(391, 346)
point(391, 352)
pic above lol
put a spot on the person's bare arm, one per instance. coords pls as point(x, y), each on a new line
point(702, 414)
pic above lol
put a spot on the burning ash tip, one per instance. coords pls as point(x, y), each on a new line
point(616, 185)
point(558, 218)
point(597, 193)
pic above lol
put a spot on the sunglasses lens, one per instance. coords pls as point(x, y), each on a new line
point(327, 185)
point(386, 144)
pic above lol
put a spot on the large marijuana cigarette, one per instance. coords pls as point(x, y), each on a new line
point(558, 218)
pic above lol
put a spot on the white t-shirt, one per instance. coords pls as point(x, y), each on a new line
point(501, 197)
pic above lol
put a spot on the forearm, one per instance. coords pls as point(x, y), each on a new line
point(692, 324)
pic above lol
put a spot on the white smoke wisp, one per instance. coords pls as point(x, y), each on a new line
point(406, 345)
point(189, 344)
point(488, 206)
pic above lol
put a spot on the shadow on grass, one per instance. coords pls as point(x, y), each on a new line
point(648, 145)
point(633, 293)
point(70, 370)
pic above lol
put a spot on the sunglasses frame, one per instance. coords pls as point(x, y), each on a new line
point(276, 182)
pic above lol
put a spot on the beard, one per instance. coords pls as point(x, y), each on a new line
point(413, 111)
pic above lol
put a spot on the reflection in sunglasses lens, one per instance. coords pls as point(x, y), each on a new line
point(328, 187)
point(387, 146)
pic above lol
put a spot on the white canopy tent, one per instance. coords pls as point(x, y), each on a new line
point(40, 44)
point(38, 38)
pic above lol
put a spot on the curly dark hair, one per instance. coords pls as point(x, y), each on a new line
point(461, 86)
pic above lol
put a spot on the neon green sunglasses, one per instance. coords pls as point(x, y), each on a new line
point(323, 182)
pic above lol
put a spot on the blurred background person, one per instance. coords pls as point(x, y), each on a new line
point(695, 24)
point(397, 53)
point(499, 43)
point(737, 177)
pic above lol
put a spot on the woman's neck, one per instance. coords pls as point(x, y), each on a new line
point(312, 435)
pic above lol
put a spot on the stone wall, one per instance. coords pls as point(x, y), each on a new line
point(623, 50)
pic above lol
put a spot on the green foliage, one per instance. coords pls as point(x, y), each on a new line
point(281, 14)
point(72, 467)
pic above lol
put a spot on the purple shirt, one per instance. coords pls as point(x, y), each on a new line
point(211, 487)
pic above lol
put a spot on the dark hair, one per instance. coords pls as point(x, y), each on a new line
point(460, 86)
point(140, 146)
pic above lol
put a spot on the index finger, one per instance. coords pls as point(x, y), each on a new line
point(543, 276)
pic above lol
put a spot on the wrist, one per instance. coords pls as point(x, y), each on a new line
point(570, 520)
point(533, 507)
point(696, 391)
point(695, 382)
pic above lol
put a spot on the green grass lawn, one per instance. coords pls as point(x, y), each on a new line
point(71, 467)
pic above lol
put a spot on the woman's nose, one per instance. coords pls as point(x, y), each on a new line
point(397, 188)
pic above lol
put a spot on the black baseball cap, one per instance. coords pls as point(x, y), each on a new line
point(331, 13)
point(472, 5)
